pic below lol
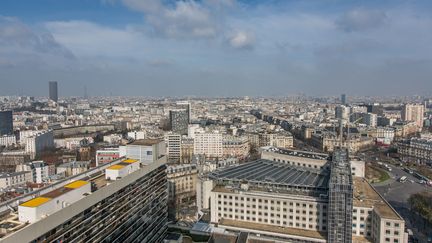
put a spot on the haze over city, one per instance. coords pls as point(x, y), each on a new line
point(216, 48)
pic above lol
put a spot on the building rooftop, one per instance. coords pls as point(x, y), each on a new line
point(35, 202)
point(297, 153)
point(146, 142)
point(274, 229)
point(115, 167)
point(9, 222)
point(8, 174)
point(366, 196)
point(272, 172)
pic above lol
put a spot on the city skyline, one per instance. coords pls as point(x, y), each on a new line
point(215, 48)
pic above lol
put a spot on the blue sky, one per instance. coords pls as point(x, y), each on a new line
point(216, 47)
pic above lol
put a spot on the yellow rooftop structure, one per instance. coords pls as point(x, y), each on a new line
point(76, 184)
point(130, 161)
point(115, 167)
point(35, 202)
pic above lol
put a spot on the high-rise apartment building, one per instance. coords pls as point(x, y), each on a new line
point(209, 144)
point(179, 120)
point(43, 140)
point(413, 112)
point(95, 207)
point(173, 142)
point(53, 91)
point(188, 107)
point(6, 123)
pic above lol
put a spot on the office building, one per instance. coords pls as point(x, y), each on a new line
point(343, 99)
point(186, 105)
point(298, 196)
point(179, 120)
point(53, 91)
point(92, 208)
point(6, 123)
point(413, 112)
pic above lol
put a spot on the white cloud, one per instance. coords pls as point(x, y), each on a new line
point(17, 37)
point(188, 19)
point(242, 40)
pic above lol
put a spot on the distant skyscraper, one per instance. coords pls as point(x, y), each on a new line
point(6, 123)
point(179, 120)
point(413, 112)
point(343, 99)
point(53, 91)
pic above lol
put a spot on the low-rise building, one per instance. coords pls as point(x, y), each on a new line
point(73, 168)
point(417, 150)
point(15, 179)
point(182, 182)
point(107, 155)
point(40, 170)
point(237, 147)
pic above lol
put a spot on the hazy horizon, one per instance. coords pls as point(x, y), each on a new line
point(215, 48)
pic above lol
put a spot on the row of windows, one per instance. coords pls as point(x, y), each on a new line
point(298, 164)
point(248, 199)
point(278, 222)
point(277, 209)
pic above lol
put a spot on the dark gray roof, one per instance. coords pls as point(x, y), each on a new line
point(273, 172)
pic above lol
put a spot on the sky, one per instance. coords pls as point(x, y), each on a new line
point(216, 47)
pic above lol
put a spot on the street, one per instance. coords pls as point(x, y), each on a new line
point(397, 194)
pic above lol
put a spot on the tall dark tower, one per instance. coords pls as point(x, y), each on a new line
point(53, 91)
point(343, 99)
point(340, 198)
point(6, 123)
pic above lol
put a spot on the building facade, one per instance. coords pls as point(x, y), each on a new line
point(53, 91)
point(6, 123)
point(208, 144)
point(179, 120)
point(182, 182)
point(413, 112)
point(131, 209)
